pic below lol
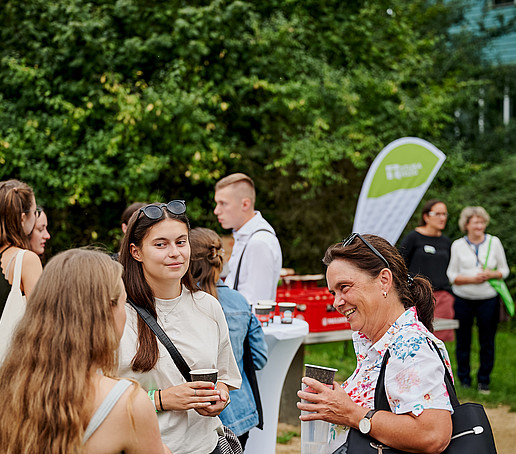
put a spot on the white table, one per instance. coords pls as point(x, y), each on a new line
point(283, 342)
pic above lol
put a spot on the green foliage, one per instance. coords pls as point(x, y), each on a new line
point(103, 103)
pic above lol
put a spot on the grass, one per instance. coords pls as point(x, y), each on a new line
point(341, 356)
point(285, 436)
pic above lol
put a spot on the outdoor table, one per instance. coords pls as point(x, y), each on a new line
point(283, 341)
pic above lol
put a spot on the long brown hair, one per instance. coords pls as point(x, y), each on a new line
point(15, 199)
point(67, 332)
point(415, 291)
point(206, 260)
point(138, 289)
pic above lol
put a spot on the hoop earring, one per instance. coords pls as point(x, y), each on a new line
point(385, 294)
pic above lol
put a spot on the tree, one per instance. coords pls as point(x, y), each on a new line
point(104, 103)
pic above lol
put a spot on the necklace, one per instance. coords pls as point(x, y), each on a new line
point(160, 304)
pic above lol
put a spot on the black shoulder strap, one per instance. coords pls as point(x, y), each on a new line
point(237, 275)
point(164, 339)
point(251, 376)
point(380, 397)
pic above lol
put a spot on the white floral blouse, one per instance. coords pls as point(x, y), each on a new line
point(414, 376)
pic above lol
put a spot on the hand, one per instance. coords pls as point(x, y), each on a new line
point(331, 405)
point(192, 395)
point(484, 275)
point(216, 409)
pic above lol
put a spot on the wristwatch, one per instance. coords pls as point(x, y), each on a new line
point(365, 423)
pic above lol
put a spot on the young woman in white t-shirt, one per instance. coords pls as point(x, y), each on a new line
point(155, 253)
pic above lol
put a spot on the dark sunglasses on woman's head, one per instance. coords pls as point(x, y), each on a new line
point(352, 237)
point(154, 212)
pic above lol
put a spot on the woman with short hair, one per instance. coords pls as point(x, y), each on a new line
point(476, 258)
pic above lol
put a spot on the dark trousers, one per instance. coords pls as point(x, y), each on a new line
point(487, 313)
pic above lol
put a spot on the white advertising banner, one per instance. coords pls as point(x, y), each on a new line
point(394, 185)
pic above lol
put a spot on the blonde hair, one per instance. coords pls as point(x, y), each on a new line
point(15, 199)
point(206, 259)
point(467, 213)
point(67, 333)
point(242, 181)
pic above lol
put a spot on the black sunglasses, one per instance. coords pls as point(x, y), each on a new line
point(352, 237)
point(154, 212)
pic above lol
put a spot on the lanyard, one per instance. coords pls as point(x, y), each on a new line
point(476, 247)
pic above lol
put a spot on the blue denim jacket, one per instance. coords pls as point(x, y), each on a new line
point(241, 415)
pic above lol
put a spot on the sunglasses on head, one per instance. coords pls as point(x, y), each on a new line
point(154, 211)
point(352, 237)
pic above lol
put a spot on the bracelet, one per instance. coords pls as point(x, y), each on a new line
point(160, 401)
point(151, 397)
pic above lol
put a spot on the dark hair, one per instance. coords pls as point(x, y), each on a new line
point(418, 293)
point(427, 207)
point(206, 260)
point(15, 199)
point(128, 212)
point(138, 289)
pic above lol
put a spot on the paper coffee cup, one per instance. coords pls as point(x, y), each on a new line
point(271, 303)
point(325, 375)
point(263, 313)
point(287, 312)
point(204, 375)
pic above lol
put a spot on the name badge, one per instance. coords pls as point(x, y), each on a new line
point(429, 249)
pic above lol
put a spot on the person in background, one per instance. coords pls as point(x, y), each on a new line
point(427, 251)
point(255, 262)
point(126, 215)
point(128, 212)
point(476, 258)
point(39, 235)
point(57, 378)
point(155, 254)
point(205, 265)
point(17, 219)
point(389, 311)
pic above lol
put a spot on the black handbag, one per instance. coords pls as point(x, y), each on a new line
point(471, 432)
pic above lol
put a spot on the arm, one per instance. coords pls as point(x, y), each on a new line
point(430, 432)
point(502, 269)
point(31, 271)
point(145, 435)
point(406, 248)
point(257, 343)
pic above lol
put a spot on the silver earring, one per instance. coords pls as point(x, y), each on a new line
point(385, 294)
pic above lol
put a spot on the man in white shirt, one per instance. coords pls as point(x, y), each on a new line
point(255, 262)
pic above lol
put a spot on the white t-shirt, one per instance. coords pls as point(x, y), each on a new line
point(196, 325)
point(465, 260)
point(261, 263)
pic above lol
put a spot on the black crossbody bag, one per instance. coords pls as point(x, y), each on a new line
point(471, 432)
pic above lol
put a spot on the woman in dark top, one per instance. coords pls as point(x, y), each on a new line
point(427, 251)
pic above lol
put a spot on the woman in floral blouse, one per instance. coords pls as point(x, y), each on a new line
point(388, 310)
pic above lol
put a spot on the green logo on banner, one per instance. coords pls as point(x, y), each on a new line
point(405, 167)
